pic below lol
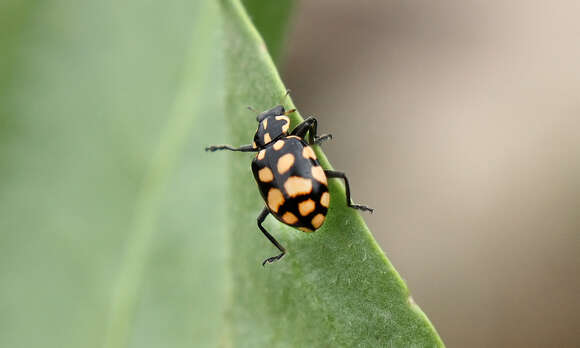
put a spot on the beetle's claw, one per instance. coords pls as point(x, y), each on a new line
point(363, 208)
point(273, 259)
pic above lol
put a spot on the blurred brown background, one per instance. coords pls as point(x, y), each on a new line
point(460, 123)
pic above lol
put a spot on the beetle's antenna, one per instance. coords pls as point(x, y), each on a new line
point(289, 112)
point(253, 110)
point(284, 96)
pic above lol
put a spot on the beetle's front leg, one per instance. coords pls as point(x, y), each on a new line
point(310, 124)
point(243, 148)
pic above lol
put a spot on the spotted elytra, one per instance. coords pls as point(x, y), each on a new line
point(290, 179)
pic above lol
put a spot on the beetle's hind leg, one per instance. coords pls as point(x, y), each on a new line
point(310, 124)
point(341, 175)
point(261, 219)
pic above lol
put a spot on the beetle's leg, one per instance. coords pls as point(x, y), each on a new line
point(261, 219)
point(243, 148)
point(310, 124)
point(341, 175)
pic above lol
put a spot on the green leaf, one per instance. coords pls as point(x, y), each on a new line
point(113, 221)
point(335, 287)
point(271, 19)
point(111, 232)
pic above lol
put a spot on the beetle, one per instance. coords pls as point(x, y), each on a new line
point(290, 179)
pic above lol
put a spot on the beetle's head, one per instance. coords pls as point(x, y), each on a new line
point(273, 124)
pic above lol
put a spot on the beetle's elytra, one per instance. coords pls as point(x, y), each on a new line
point(292, 183)
point(290, 179)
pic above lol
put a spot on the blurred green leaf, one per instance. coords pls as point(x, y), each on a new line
point(335, 287)
point(111, 228)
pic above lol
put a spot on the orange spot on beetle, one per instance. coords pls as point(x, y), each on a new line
point(296, 186)
point(275, 199)
point(307, 152)
point(306, 207)
point(289, 218)
point(318, 174)
point(265, 174)
point(285, 162)
point(318, 220)
point(278, 145)
point(325, 199)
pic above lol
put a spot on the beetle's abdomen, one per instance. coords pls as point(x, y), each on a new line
point(292, 183)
